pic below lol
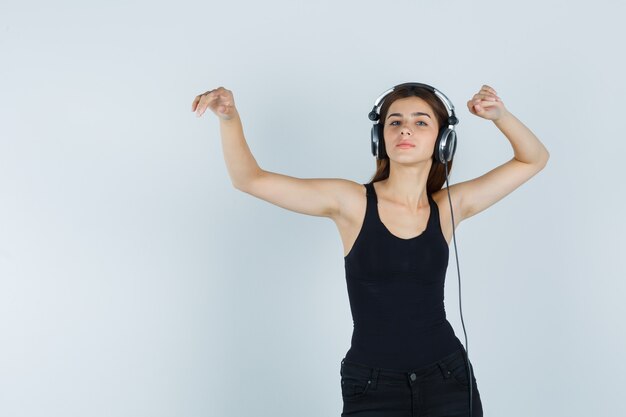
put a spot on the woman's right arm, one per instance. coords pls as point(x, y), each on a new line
point(322, 197)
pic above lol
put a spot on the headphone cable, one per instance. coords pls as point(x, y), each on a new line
point(459, 276)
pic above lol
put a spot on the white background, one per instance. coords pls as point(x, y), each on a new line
point(136, 281)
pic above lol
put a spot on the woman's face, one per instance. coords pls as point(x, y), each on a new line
point(413, 122)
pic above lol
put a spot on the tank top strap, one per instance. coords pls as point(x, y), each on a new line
point(371, 208)
point(434, 213)
point(434, 218)
point(371, 193)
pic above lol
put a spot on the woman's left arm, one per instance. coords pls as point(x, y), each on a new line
point(530, 157)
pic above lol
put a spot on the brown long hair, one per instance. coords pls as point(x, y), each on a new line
point(437, 174)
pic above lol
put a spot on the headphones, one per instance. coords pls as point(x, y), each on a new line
point(445, 147)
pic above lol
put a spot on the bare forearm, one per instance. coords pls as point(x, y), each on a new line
point(526, 146)
point(240, 162)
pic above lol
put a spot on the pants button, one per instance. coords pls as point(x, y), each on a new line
point(413, 377)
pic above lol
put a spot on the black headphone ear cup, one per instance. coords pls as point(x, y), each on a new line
point(382, 152)
point(452, 141)
point(374, 140)
point(378, 144)
point(438, 147)
point(445, 145)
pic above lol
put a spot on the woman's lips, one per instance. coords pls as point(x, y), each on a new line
point(406, 145)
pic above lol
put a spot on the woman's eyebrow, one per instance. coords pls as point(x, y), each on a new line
point(417, 113)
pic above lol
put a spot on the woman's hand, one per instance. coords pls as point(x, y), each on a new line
point(487, 104)
point(220, 101)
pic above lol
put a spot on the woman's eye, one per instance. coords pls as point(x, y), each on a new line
point(419, 121)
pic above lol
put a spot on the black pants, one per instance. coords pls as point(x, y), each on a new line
point(435, 390)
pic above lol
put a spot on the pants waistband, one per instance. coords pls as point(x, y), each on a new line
point(450, 361)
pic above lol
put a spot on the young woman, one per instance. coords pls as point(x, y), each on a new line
point(404, 359)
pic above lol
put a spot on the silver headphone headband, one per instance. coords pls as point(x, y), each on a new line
point(447, 103)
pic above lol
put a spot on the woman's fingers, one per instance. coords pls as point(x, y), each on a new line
point(205, 102)
point(201, 105)
point(219, 100)
point(488, 89)
point(195, 102)
point(478, 105)
point(485, 96)
point(483, 102)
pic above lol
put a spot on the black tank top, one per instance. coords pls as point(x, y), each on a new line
point(396, 292)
